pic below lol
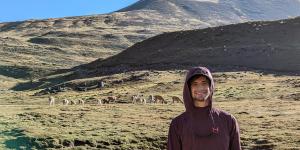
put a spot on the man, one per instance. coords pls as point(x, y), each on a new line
point(202, 127)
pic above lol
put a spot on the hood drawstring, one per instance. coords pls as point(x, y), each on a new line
point(214, 129)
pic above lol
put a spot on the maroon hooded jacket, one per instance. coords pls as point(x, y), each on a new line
point(203, 128)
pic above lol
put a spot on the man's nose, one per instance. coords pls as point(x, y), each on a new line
point(200, 87)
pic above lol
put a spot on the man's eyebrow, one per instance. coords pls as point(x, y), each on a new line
point(200, 81)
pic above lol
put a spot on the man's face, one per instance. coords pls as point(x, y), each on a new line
point(200, 89)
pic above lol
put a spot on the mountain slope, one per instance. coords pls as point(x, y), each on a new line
point(61, 43)
point(270, 46)
point(216, 12)
point(66, 42)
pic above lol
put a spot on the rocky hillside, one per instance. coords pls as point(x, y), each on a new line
point(267, 46)
point(67, 42)
point(216, 12)
point(60, 43)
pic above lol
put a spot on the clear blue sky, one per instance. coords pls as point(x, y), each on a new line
point(18, 10)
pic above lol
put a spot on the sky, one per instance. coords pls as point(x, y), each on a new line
point(19, 10)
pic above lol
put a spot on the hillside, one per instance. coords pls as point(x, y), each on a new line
point(269, 46)
point(61, 43)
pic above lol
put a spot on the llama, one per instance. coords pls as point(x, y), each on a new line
point(51, 100)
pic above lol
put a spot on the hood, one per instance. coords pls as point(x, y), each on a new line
point(188, 101)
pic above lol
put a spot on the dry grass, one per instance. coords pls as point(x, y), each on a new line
point(266, 106)
point(67, 42)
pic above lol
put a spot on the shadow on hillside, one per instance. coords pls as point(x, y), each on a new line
point(15, 72)
point(80, 73)
point(19, 141)
point(44, 82)
point(166, 67)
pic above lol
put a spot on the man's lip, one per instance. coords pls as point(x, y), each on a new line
point(200, 93)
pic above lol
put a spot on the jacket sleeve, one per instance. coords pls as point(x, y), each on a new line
point(174, 142)
point(235, 142)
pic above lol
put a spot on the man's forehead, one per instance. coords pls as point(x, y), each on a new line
point(200, 79)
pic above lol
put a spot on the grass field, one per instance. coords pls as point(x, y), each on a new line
point(265, 105)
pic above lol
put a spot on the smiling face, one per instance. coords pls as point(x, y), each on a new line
point(200, 90)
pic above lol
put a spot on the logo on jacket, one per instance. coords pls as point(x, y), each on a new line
point(215, 130)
